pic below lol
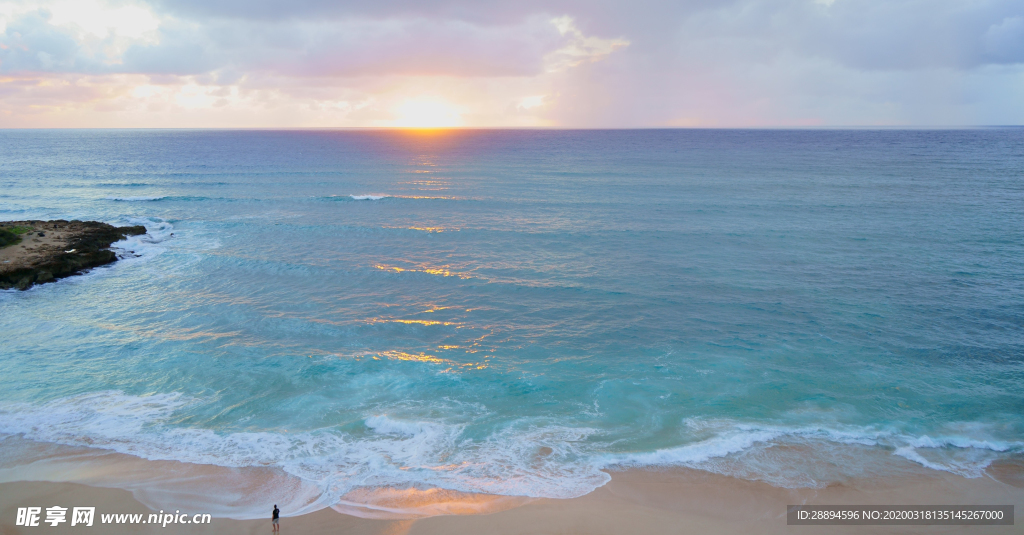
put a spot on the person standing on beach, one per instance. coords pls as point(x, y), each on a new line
point(274, 518)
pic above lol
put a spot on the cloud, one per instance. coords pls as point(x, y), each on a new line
point(34, 42)
point(862, 34)
point(888, 34)
point(31, 43)
point(580, 49)
point(350, 48)
point(553, 62)
point(1004, 42)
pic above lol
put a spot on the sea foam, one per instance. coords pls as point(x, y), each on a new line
point(148, 245)
point(525, 459)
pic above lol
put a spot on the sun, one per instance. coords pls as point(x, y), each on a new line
point(427, 113)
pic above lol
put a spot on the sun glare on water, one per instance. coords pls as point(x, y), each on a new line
point(427, 113)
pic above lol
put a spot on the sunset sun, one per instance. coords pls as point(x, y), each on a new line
point(427, 113)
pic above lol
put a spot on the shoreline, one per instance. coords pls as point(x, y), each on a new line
point(37, 252)
point(635, 501)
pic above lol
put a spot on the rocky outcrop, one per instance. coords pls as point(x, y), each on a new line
point(35, 252)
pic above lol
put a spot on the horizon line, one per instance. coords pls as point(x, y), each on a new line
point(550, 128)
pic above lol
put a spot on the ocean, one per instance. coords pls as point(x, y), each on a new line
point(520, 312)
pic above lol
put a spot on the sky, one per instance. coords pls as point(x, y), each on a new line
point(529, 63)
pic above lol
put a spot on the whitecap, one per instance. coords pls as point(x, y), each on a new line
point(144, 246)
point(528, 458)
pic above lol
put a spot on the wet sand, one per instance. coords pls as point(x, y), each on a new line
point(634, 502)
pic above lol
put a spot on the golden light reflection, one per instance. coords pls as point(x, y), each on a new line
point(467, 349)
point(440, 271)
point(428, 185)
point(422, 357)
point(391, 503)
point(425, 323)
point(452, 366)
point(419, 322)
point(444, 183)
point(428, 197)
point(433, 230)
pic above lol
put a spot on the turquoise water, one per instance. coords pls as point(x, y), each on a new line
point(515, 312)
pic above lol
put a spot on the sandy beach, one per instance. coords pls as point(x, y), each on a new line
point(634, 502)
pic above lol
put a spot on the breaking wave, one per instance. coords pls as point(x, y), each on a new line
point(520, 459)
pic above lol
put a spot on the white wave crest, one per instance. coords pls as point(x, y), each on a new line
point(689, 454)
point(749, 448)
point(965, 456)
point(385, 425)
point(397, 453)
point(521, 458)
point(144, 246)
point(368, 197)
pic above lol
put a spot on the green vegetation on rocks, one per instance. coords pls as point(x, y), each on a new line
point(8, 238)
